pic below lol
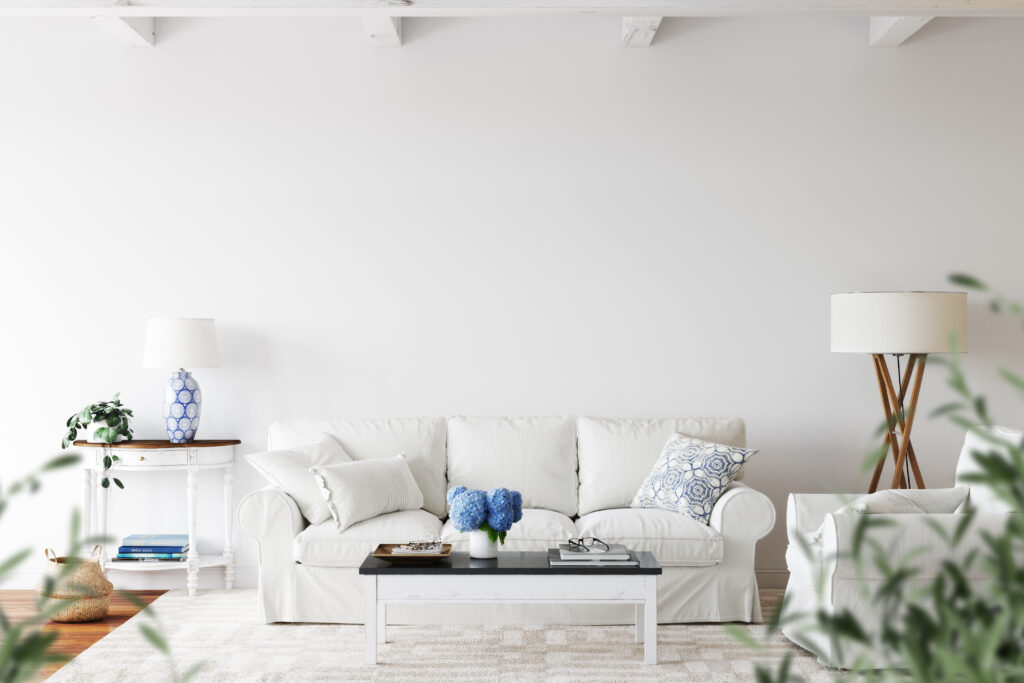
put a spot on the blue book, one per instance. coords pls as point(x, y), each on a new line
point(154, 556)
point(150, 540)
point(152, 549)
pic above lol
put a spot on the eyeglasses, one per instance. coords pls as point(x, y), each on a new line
point(583, 545)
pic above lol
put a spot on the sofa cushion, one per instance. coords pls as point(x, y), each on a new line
point(615, 456)
point(357, 491)
point(533, 455)
point(537, 530)
point(322, 545)
point(289, 470)
point(675, 540)
point(421, 439)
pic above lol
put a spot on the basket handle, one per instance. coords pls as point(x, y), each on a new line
point(50, 555)
point(97, 550)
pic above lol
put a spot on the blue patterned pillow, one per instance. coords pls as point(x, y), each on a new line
point(690, 475)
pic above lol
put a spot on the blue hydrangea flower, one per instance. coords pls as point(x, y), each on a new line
point(454, 493)
point(500, 509)
point(517, 506)
point(469, 509)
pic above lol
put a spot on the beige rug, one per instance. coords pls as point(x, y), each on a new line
point(219, 628)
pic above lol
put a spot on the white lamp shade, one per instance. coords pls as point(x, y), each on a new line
point(899, 322)
point(181, 343)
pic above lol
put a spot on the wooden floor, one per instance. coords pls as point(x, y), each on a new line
point(73, 638)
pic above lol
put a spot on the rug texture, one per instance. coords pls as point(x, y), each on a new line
point(219, 629)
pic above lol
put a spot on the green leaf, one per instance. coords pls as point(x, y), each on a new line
point(969, 281)
point(85, 415)
point(155, 638)
point(190, 672)
point(113, 420)
point(118, 482)
point(107, 462)
point(14, 560)
point(105, 483)
point(1014, 379)
point(61, 461)
point(741, 635)
point(947, 408)
point(117, 394)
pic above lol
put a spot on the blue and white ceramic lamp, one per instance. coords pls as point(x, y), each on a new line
point(181, 343)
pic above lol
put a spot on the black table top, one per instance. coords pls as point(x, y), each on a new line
point(506, 563)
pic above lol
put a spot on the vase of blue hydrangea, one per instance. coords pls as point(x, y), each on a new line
point(486, 516)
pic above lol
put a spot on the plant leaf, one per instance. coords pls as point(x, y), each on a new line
point(61, 461)
point(969, 281)
point(155, 638)
point(118, 482)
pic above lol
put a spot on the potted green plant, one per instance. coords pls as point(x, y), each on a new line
point(111, 423)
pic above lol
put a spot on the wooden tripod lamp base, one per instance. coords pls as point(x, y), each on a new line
point(899, 420)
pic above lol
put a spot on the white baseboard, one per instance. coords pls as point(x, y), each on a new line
point(245, 577)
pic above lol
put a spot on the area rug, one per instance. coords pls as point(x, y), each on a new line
point(219, 630)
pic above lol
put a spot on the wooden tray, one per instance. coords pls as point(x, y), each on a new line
point(383, 552)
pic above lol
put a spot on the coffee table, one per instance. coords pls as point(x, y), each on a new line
point(516, 577)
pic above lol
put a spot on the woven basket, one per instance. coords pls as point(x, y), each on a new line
point(83, 590)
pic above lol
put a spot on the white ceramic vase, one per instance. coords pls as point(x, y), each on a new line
point(481, 547)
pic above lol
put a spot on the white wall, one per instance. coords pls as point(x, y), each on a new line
point(509, 216)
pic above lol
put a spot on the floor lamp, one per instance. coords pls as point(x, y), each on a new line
point(914, 324)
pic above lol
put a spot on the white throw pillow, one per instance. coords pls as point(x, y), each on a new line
point(360, 490)
point(690, 475)
point(289, 469)
point(902, 502)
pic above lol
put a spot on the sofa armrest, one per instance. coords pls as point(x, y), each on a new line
point(923, 538)
point(742, 512)
point(270, 515)
point(806, 511)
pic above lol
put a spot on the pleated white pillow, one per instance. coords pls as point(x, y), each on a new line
point(289, 469)
point(363, 489)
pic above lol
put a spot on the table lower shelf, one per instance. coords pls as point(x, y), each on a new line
point(204, 561)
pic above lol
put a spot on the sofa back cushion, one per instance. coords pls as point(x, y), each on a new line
point(422, 440)
point(533, 455)
point(616, 455)
point(982, 498)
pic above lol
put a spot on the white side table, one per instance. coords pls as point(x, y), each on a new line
point(162, 456)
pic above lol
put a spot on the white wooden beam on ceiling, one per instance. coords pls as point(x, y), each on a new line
point(129, 31)
point(639, 31)
point(383, 31)
point(893, 31)
point(480, 8)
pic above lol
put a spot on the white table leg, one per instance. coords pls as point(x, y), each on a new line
point(193, 553)
point(229, 555)
point(101, 515)
point(371, 619)
point(651, 620)
point(86, 502)
point(639, 614)
point(382, 622)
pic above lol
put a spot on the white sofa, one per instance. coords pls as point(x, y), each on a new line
point(823, 575)
point(577, 478)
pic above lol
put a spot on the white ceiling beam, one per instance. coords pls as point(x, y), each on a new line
point(893, 31)
point(639, 31)
point(383, 31)
point(467, 8)
point(129, 31)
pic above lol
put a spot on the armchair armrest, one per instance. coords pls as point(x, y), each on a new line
point(742, 512)
point(923, 538)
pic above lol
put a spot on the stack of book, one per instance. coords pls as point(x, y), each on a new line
point(153, 548)
point(617, 555)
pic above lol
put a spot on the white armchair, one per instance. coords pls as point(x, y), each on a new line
point(824, 576)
